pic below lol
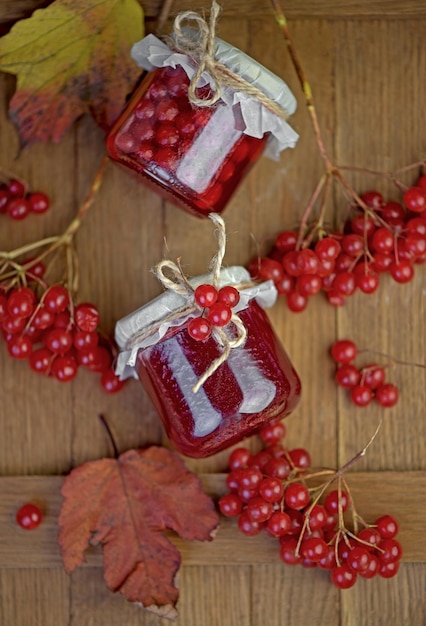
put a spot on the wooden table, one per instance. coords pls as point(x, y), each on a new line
point(366, 63)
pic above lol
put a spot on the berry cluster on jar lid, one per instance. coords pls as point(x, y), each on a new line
point(388, 237)
point(54, 334)
point(217, 305)
point(365, 383)
point(268, 492)
point(18, 203)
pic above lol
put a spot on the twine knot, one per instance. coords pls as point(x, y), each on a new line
point(201, 48)
point(178, 283)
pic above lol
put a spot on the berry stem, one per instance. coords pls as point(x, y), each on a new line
point(308, 209)
point(306, 88)
point(391, 359)
point(51, 244)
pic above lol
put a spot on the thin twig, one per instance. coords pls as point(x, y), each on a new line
point(110, 435)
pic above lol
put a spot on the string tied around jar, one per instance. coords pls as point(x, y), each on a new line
point(178, 283)
point(201, 48)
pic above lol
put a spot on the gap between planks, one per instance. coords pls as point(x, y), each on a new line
point(12, 10)
point(375, 494)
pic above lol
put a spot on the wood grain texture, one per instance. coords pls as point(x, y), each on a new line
point(365, 63)
point(373, 492)
point(11, 10)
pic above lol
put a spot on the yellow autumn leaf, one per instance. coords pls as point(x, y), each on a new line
point(71, 58)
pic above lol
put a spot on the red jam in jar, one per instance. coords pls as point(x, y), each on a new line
point(194, 156)
point(256, 384)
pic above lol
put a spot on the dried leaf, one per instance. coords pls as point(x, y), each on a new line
point(71, 58)
point(124, 504)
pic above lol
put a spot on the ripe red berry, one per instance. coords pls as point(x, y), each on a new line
point(343, 577)
point(199, 328)
point(327, 249)
point(64, 368)
point(300, 458)
point(29, 516)
point(286, 241)
point(296, 496)
point(415, 199)
point(296, 301)
point(205, 295)
point(18, 208)
point(39, 202)
point(266, 269)
point(271, 489)
point(332, 501)
point(56, 299)
point(110, 382)
point(347, 376)
point(387, 526)
point(21, 302)
point(16, 188)
point(239, 457)
point(387, 395)
point(344, 351)
point(314, 548)
point(272, 433)
point(20, 347)
point(86, 317)
point(401, 272)
point(41, 360)
point(278, 524)
point(219, 314)
point(230, 505)
point(248, 526)
point(373, 199)
point(228, 295)
point(361, 395)
point(373, 375)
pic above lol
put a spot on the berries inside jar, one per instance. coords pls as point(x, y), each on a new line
point(194, 155)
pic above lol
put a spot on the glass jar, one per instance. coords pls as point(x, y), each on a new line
point(256, 384)
point(196, 156)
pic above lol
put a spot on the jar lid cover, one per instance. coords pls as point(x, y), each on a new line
point(257, 120)
point(166, 303)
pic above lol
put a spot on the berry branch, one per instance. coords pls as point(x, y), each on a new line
point(44, 323)
point(269, 491)
point(377, 236)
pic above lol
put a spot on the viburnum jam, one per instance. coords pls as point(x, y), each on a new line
point(193, 155)
point(255, 385)
point(195, 146)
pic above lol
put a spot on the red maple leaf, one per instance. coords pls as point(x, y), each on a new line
point(70, 58)
point(124, 504)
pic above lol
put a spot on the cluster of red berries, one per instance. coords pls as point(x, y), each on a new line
point(365, 383)
point(268, 492)
point(29, 516)
point(54, 334)
point(218, 305)
point(16, 202)
point(385, 238)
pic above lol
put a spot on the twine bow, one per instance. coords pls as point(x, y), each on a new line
point(201, 48)
point(178, 283)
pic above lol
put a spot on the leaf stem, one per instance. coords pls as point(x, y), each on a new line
point(110, 435)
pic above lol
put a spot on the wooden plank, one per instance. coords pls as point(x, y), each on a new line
point(391, 320)
point(280, 596)
point(375, 493)
point(399, 601)
point(92, 601)
point(50, 590)
point(11, 10)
